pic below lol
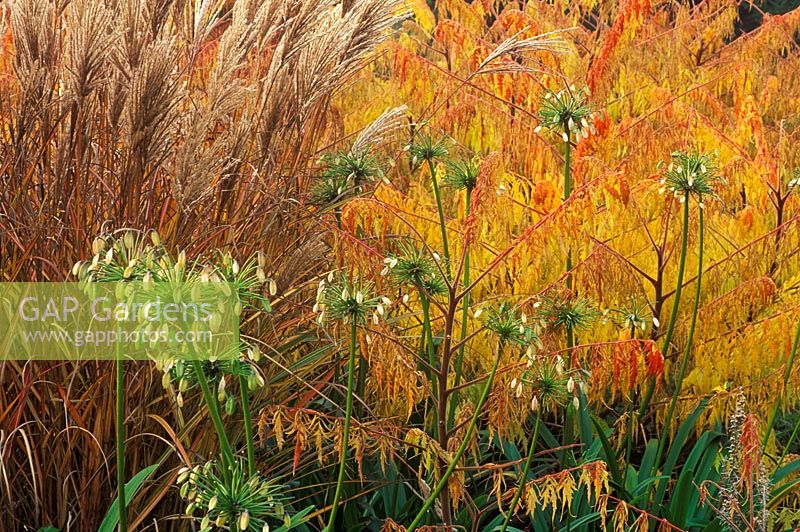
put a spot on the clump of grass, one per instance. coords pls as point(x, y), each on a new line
point(200, 120)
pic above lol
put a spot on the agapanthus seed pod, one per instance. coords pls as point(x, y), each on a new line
point(98, 244)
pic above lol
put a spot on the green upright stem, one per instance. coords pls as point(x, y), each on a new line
point(568, 423)
point(687, 350)
point(675, 304)
point(248, 425)
point(120, 435)
point(567, 194)
point(629, 431)
point(351, 368)
point(524, 475)
point(426, 325)
point(228, 459)
point(787, 372)
point(464, 317)
point(461, 448)
point(442, 224)
point(568, 269)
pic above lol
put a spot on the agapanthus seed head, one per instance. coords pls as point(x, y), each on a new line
point(547, 382)
point(345, 174)
point(505, 322)
point(462, 174)
point(690, 174)
point(348, 301)
point(236, 499)
point(426, 148)
point(415, 267)
point(565, 112)
point(568, 312)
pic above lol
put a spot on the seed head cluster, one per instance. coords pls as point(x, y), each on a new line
point(567, 113)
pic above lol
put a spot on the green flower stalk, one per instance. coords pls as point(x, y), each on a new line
point(551, 388)
point(249, 281)
point(633, 318)
point(570, 314)
point(121, 259)
point(216, 418)
point(429, 151)
point(348, 303)
point(688, 175)
point(120, 444)
point(510, 328)
point(567, 113)
point(414, 267)
point(462, 175)
point(684, 360)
